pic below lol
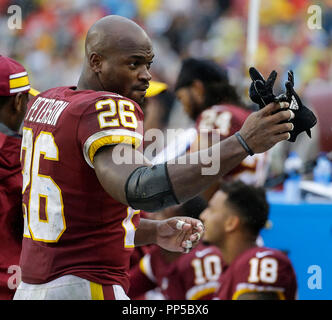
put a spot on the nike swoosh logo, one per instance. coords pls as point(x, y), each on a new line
point(202, 253)
point(260, 255)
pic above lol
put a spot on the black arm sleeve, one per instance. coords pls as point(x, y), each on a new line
point(150, 189)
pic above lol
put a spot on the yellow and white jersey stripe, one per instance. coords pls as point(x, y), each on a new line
point(68, 287)
point(249, 287)
point(197, 292)
point(108, 138)
point(19, 82)
point(146, 268)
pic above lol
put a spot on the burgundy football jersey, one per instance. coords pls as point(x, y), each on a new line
point(72, 226)
point(192, 276)
point(11, 220)
point(228, 119)
point(259, 269)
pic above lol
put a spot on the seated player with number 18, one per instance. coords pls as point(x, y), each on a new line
point(85, 178)
point(234, 217)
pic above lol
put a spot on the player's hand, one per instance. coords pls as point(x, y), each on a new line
point(261, 92)
point(266, 127)
point(179, 234)
point(304, 118)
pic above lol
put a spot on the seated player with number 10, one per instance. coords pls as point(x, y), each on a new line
point(81, 206)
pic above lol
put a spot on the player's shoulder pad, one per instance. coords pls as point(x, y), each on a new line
point(91, 98)
point(104, 95)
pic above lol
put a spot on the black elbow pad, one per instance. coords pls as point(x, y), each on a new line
point(149, 189)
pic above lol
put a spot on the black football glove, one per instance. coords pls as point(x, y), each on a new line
point(304, 118)
point(261, 91)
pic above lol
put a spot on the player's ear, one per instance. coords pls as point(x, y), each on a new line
point(198, 91)
point(198, 86)
point(20, 102)
point(231, 223)
point(95, 61)
point(18, 109)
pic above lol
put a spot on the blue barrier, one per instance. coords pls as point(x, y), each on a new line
point(304, 232)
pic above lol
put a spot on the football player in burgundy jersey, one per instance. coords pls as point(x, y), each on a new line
point(14, 96)
point(234, 217)
point(177, 276)
point(85, 177)
point(204, 89)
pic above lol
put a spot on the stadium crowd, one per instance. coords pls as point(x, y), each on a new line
point(53, 32)
point(52, 39)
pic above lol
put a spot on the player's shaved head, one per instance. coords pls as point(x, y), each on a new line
point(113, 33)
point(118, 55)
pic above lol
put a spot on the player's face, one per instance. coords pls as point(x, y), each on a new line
point(189, 100)
point(126, 71)
point(214, 218)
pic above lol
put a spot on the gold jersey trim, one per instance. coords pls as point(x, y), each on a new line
point(109, 137)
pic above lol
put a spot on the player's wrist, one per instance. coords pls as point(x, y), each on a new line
point(244, 144)
point(147, 232)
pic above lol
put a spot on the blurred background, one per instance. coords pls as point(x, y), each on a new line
point(50, 45)
point(53, 32)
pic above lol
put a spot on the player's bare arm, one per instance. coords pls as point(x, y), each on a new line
point(262, 130)
point(142, 186)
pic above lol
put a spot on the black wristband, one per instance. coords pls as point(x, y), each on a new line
point(244, 144)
